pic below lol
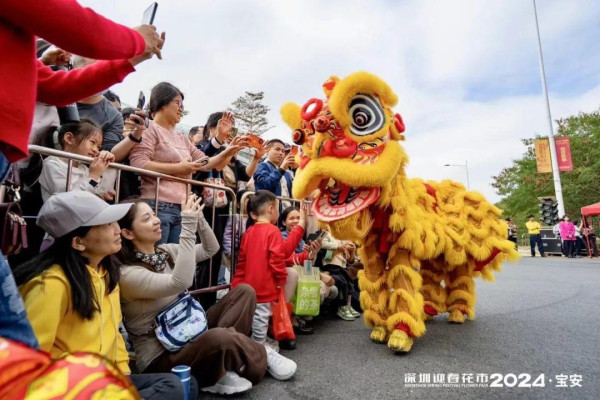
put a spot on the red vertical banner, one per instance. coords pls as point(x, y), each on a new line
point(563, 153)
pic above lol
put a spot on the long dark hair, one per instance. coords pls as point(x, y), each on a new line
point(283, 216)
point(73, 264)
point(126, 256)
point(256, 202)
point(161, 95)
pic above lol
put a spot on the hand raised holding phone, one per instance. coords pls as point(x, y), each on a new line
point(193, 204)
point(154, 42)
point(287, 161)
point(190, 167)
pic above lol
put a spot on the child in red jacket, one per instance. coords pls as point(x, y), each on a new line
point(261, 264)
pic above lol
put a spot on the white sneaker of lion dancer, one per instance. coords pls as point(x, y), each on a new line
point(280, 367)
point(230, 383)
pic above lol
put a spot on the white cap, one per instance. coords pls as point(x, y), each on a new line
point(65, 212)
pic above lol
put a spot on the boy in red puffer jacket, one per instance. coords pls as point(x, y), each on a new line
point(261, 264)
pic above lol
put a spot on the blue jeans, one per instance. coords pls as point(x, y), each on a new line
point(14, 324)
point(170, 221)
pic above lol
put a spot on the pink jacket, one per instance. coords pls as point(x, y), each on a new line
point(163, 146)
point(567, 230)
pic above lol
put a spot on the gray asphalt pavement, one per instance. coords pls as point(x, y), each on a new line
point(539, 317)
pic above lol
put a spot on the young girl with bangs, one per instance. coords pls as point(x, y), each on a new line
point(83, 138)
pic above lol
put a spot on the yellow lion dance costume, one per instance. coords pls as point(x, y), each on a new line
point(412, 234)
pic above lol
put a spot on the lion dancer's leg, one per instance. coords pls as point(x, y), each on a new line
point(373, 290)
point(406, 301)
point(434, 294)
point(461, 294)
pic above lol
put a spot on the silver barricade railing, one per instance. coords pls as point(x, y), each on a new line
point(70, 157)
point(250, 193)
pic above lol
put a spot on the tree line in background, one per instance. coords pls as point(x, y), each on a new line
point(520, 185)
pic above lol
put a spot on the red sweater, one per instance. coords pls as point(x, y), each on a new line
point(262, 258)
point(23, 79)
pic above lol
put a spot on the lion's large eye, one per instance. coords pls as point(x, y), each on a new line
point(367, 115)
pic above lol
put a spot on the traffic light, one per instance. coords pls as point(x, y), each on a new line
point(549, 210)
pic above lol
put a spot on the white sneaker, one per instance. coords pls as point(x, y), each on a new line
point(272, 343)
point(230, 383)
point(280, 367)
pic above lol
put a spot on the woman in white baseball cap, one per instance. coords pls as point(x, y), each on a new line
point(71, 290)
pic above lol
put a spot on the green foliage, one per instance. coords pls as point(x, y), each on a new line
point(520, 185)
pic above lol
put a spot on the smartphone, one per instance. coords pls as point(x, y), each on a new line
point(149, 14)
point(316, 236)
point(203, 160)
point(294, 150)
point(141, 101)
point(255, 141)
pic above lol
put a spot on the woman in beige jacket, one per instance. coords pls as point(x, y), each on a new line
point(224, 359)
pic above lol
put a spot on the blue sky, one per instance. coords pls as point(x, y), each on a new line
point(466, 71)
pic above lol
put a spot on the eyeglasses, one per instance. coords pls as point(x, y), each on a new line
point(179, 103)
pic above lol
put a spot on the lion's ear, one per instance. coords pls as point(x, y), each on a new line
point(290, 113)
point(397, 128)
point(330, 84)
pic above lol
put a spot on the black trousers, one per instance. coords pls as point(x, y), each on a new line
point(569, 247)
point(162, 386)
point(533, 240)
point(342, 281)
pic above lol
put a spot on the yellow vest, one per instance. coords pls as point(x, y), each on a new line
point(61, 331)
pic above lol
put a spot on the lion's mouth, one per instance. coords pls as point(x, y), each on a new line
point(337, 200)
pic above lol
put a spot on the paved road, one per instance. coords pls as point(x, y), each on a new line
point(539, 317)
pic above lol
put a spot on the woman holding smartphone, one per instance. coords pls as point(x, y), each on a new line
point(170, 152)
point(71, 290)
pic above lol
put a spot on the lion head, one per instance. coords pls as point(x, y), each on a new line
point(350, 145)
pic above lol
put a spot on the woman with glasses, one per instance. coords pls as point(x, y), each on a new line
point(168, 151)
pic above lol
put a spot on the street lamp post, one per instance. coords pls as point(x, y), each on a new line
point(466, 167)
point(554, 160)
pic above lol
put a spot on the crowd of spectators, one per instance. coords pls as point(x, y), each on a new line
point(109, 260)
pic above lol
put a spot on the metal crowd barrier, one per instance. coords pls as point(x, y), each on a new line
point(143, 172)
point(280, 198)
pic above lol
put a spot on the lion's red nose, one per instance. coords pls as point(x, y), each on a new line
point(322, 124)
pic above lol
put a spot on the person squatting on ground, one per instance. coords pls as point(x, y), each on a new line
point(223, 359)
point(334, 264)
point(533, 228)
point(261, 264)
point(71, 290)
